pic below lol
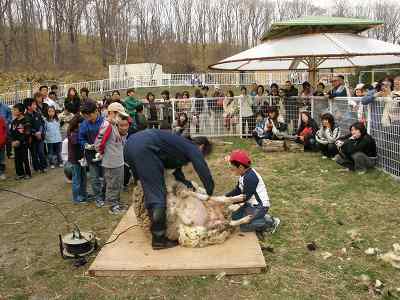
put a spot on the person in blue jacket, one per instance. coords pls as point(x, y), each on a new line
point(88, 131)
point(149, 153)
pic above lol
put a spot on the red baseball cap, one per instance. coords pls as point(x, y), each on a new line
point(241, 157)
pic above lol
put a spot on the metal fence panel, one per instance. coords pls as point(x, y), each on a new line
point(169, 80)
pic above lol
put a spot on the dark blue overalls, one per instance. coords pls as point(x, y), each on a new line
point(151, 151)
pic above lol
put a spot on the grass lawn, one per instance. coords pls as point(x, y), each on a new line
point(315, 201)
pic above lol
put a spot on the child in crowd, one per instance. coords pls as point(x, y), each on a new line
point(255, 196)
point(231, 111)
point(35, 118)
point(75, 154)
point(66, 164)
point(109, 144)
point(88, 130)
point(130, 104)
point(141, 121)
point(357, 151)
point(153, 114)
point(116, 96)
point(181, 125)
point(258, 132)
point(53, 138)
point(327, 135)
point(306, 131)
point(20, 136)
point(65, 117)
point(125, 131)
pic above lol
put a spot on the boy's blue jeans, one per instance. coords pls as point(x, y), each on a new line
point(258, 212)
point(97, 181)
point(38, 157)
point(79, 182)
point(54, 150)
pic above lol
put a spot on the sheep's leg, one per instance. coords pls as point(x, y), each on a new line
point(241, 221)
point(221, 199)
point(228, 200)
point(235, 207)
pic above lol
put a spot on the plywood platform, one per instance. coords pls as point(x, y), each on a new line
point(131, 254)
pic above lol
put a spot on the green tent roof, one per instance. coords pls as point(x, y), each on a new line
point(317, 24)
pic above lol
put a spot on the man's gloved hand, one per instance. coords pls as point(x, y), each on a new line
point(189, 185)
point(89, 147)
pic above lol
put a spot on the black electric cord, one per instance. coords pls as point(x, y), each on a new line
point(54, 205)
point(64, 215)
point(119, 234)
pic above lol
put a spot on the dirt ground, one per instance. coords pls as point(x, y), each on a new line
point(315, 200)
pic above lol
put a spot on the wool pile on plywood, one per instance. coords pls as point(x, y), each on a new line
point(193, 218)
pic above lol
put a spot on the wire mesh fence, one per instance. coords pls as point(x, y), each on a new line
point(238, 116)
point(100, 87)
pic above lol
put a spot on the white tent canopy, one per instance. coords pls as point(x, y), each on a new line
point(313, 51)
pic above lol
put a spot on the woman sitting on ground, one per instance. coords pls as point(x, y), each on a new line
point(181, 125)
point(327, 136)
point(306, 131)
point(275, 127)
point(357, 151)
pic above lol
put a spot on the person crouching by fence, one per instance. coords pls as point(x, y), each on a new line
point(255, 196)
point(259, 131)
point(181, 125)
point(327, 136)
point(306, 131)
point(108, 144)
point(357, 151)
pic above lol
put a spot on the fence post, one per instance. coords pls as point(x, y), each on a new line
point(30, 89)
point(369, 119)
point(240, 117)
point(312, 107)
point(173, 110)
point(330, 102)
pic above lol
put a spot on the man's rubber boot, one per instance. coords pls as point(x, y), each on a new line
point(159, 229)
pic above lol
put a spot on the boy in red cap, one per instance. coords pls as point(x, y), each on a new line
point(255, 196)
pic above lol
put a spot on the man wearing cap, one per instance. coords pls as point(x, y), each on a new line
point(108, 145)
point(338, 87)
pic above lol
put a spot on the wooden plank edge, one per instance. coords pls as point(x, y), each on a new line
point(166, 273)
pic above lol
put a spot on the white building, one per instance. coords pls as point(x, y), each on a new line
point(151, 70)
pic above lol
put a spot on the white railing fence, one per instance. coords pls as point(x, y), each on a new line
point(99, 87)
point(237, 116)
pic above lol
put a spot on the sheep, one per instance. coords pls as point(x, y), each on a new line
point(193, 218)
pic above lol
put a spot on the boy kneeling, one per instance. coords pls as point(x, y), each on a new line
point(256, 201)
